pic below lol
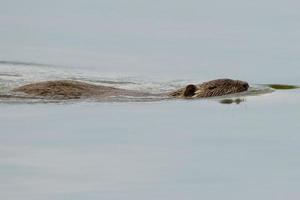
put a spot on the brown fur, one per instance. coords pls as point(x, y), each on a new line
point(66, 89)
point(213, 88)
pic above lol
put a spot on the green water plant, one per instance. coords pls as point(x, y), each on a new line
point(283, 87)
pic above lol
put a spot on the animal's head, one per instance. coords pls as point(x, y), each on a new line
point(213, 88)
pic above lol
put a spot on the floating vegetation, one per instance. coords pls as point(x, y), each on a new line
point(283, 87)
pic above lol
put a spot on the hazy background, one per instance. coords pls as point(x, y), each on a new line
point(253, 40)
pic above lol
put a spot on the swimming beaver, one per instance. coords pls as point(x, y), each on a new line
point(213, 88)
point(66, 89)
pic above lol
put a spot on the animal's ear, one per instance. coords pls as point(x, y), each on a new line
point(190, 90)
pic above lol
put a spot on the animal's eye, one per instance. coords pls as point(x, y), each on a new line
point(212, 87)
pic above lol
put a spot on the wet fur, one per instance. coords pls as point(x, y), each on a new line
point(66, 89)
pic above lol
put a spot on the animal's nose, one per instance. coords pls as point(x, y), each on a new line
point(246, 85)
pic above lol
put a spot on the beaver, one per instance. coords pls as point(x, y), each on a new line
point(218, 87)
point(69, 89)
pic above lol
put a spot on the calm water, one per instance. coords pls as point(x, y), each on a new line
point(150, 150)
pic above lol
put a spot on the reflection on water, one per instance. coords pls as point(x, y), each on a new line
point(231, 101)
point(170, 150)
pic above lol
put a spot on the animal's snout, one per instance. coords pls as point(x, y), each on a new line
point(246, 86)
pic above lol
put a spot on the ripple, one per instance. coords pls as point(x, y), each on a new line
point(14, 74)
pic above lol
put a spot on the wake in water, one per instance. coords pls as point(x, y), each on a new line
point(16, 74)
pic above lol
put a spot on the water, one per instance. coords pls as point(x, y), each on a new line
point(243, 148)
point(256, 41)
point(162, 150)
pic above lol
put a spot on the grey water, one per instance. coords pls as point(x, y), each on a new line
point(244, 147)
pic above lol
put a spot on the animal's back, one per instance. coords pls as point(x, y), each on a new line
point(66, 89)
